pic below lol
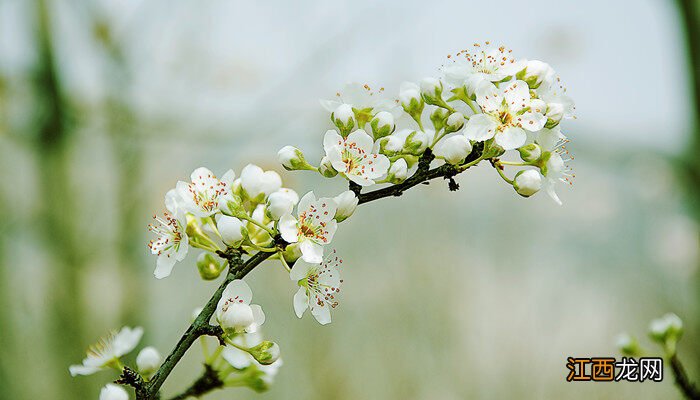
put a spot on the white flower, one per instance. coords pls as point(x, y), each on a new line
point(148, 360)
point(470, 68)
point(455, 121)
point(668, 326)
point(505, 115)
point(398, 171)
point(292, 158)
point(431, 87)
point(240, 359)
point(360, 97)
point(554, 169)
point(257, 183)
point(527, 182)
point(347, 203)
point(234, 311)
point(318, 286)
point(453, 148)
point(232, 230)
point(344, 115)
point(203, 195)
point(108, 350)
point(172, 243)
point(353, 156)
point(113, 392)
point(313, 228)
point(382, 124)
point(407, 141)
point(281, 202)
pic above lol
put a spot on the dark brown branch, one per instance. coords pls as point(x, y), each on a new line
point(684, 384)
point(239, 269)
point(206, 383)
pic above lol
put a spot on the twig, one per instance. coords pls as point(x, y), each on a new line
point(206, 383)
point(238, 269)
point(686, 386)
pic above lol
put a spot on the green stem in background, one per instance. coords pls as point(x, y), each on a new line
point(689, 390)
point(256, 223)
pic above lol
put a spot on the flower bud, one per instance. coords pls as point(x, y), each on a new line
point(113, 392)
point(627, 345)
point(265, 353)
point(347, 202)
point(416, 143)
point(555, 112)
point(454, 122)
point(668, 327)
point(281, 202)
point(237, 317)
point(232, 230)
point(292, 159)
point(326, 168)
point(535, 73)
point(292, 252)
point(344, 118)
point(231, 204)
point(527, 182)
point(398, 172)
point(453, 149)
point(148, 360)
point(392, 144)
point(411, 100)
point(530, 152)
point(382, 124)
point(208, 266)
point(431, 89)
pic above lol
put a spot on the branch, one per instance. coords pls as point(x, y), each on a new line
point(239, 269)
point(686, 386)
point(206, 383)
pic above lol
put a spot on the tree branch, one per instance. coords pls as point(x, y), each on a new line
point(686, 386)
point(238, 269)
point(206, 383)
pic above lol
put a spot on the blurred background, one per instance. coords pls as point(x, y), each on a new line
point(105, 104)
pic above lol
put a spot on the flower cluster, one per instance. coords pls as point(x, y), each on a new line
point(484, 105)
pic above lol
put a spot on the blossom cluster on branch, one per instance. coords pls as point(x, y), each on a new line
point(484, 105)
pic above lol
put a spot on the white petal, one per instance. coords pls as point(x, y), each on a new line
point(311, 251)
point(488, 97)
point(300, 270)
point(363, 141)
point(480, 127)
point(306, 202)
point(164, 266)
point(237, 358)
point(288, 228)
point(360, 179)
point(258, 314)
point(531, 121)
point(301, 302)
point(126, 340)
point(82, 370)
point(548, 138)
point(332, 139)
point(331, 227)
point(511, 138)
point(238, 288)
point(321, 313)
point(517, 95)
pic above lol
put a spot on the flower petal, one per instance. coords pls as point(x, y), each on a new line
point(480, 127)
point(238, 288)
point(288, 228)
point(311, 251)
point(301, 302)
point(511, 138)
point(322, 313)
point(300, 270)
point(362, 140)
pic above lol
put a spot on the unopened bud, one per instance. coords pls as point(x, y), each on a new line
point(281, 202)
point(627, 345)
point(455, 122)
point(668, 327)
point(265, 353)
point(530, 152)
point(382, 124)
point(527, 182)
point(208, 266)
point(326, 168)
point(398, 172)
point(113, 392)
point(292, 159)
point(438, 118)
point(535, 73)
point(416, 143)
point(344, 118)
point(453, 149)
point(232, 230)
point(347, 202)
point(411, 100)
point(431, 89)
point(237, 317)
point(148, 360)
point(555, 112)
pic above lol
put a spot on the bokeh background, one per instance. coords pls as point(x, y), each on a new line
point(480, 294)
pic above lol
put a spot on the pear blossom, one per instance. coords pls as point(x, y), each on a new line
point(360, 97)
point(318, 286)
point(670, 326)
point(347, 203)
point(113, 392)
point(257, 184)
point(172, 243)
point(107, 351)
point(527, 182)
point(410, 98)
point(536, 73)
point(234, 311)
point(292, 159)
point(353, 156)
point(398, 171)
point(505, 115)
point(232, 230)
point(313, 228)
point(382, 124)
point(558, 104)
point(202, 196)
point(472, 67)
point(553, 162)
point(242, 360)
